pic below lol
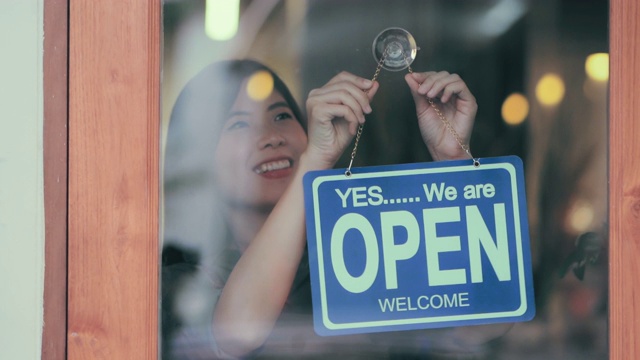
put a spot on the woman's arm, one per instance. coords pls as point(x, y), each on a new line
point(256, 291)
point(259, 284)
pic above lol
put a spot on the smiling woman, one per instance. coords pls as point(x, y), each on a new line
point(253, 153)
point(258, 150)
point(233, 144)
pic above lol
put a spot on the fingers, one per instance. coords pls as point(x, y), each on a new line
point(441, 85)
point(365, 85)
point(346, 84)
point(345, 76)
point(347, 90)
point(326, 113)
point(336, 99)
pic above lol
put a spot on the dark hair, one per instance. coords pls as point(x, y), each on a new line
point(199, 114)
point(212, 91)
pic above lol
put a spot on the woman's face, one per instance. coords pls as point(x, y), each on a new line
point(258, 150)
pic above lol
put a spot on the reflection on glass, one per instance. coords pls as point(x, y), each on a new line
point(515, 109)
point(499, 48)
point(221, 19)
point(550, 90)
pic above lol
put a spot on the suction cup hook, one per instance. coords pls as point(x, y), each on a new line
point(400, 46)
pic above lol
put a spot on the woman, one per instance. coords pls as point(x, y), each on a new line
point(258, 161)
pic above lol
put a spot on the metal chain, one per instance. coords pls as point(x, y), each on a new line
point(361, 127)
point(447, 124)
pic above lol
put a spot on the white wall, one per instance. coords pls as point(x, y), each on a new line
point(21, 179)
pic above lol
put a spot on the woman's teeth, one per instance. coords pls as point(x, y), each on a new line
point(271, 166)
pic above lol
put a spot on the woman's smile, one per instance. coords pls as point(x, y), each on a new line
point(277, 168)
point(263, 138)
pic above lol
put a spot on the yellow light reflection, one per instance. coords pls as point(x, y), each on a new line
point(221, 19)
point(597, 66)
point(260, 85)
point(550, 90)
point(515, 109)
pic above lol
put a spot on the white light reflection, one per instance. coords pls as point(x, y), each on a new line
point(501, 17)
point(221, 19)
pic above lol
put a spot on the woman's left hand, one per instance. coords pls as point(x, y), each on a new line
point(455, 101)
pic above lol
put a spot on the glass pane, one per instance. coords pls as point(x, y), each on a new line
point(538, 71)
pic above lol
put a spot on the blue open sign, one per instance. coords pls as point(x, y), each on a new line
point(418, 246)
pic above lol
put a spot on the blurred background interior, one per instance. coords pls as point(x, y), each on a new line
point(539, 71)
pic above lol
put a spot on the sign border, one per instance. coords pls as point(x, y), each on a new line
point(507, 163)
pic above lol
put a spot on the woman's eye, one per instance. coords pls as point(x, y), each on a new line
point(283, 116)
point(238, 125)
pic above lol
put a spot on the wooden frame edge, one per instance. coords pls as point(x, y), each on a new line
point(114, 121)
point(624, 181)
point(55, 178)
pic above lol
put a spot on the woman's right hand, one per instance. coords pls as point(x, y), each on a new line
point(334, 113)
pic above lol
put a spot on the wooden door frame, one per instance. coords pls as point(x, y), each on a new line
point(55, 137)
point(113, 176)
point(624, 180)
